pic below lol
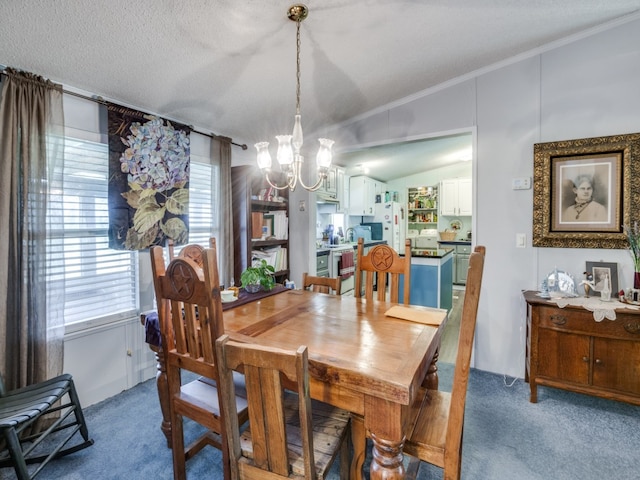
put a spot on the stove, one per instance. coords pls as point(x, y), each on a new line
point(335, 254)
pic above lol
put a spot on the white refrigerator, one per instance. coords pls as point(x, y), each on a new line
point(392, 217)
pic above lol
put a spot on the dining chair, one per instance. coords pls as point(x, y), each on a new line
point(190, 315)
point(26, 421)
point(289, 435)
point(380, 261)
point(152, 332)
point(321, 284)
point(437, 433)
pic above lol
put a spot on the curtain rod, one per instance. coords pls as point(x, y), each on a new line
point(99, 99)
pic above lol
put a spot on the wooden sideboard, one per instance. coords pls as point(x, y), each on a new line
point(568, 349)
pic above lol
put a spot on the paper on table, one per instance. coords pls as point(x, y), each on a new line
point(434, 317)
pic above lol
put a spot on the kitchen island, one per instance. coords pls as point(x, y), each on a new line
point(431, 278)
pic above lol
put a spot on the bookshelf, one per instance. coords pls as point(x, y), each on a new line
point(260, 222)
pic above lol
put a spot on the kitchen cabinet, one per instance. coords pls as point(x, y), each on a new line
point(568, 349)
point(461, 263)
point(362, 195)
point(342, 186)
point(456, 197)
point(254, 208)
point(422, 208)
point(329, 186)
point(322, 263)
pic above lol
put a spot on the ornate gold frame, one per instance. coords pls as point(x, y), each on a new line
point(627, 148)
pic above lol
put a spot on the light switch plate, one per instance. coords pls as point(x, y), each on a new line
point(521, 183)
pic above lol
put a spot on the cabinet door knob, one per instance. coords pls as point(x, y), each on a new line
point(558, 319)
point(585, 359)
point(599, 362)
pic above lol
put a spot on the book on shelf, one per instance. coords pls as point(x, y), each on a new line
point(257, 220)
point(280, 224)
point(274, 256)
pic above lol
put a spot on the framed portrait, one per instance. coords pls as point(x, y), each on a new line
point(600, 271)
point(584, 190)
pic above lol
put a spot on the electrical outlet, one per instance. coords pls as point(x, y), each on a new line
point(521, 183)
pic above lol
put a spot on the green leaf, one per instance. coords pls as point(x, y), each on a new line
point(140, 241)
point(175, 229)
point(178, 202)
point(148, 214)
point(132, 198)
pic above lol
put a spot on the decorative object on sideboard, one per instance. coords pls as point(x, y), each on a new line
point(587, 283)
point(289, 146)
point(604, 276)
point(633, 240)
point(561, 284)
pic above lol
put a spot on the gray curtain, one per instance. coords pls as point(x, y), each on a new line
point(225, 242)
point(31, 140)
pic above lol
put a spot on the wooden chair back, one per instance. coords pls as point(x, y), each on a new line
point(282, 432)
point(381, 261)
point(192, 251)
point(190, 317)
point(437, 435)
point(321, 284)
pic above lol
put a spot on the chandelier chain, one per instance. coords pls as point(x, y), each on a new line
point(298, 67)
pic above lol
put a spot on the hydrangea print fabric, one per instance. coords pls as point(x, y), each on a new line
point(148, 180)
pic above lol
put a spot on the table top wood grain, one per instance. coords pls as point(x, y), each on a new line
point(359, 358)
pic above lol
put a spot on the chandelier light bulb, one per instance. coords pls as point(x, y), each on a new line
point(285, 152)
point(263, 156)
point(323, 159)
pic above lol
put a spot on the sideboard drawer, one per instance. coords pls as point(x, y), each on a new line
point(625, 326)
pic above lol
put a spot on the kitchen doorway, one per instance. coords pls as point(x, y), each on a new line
point(423, 161)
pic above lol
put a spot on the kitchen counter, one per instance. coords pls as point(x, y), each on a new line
point(371, 243)
point(454, 242)
point(431, 253)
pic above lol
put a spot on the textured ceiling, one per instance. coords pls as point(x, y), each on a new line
point(228, 66)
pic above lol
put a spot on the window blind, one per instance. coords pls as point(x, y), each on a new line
point(99, 283)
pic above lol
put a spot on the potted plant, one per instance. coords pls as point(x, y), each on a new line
point(259, 275)
point(633, 238)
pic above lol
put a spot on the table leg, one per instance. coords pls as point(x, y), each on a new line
point(386, 461)
point(383, 422)
point(431, 379)
point(359, 441)
point(162, 385)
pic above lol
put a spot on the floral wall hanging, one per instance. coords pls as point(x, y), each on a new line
point(148, 180)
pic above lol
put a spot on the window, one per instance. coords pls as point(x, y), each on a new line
point(203, 200)
point(100, 285)
point(98, 282)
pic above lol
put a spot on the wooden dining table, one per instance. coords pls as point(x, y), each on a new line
point(360, 359)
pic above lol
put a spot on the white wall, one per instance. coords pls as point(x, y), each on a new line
point(584, 88)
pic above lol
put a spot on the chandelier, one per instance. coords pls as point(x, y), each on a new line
point(288, 154)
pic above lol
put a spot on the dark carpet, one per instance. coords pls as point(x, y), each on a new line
point(563, 436)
